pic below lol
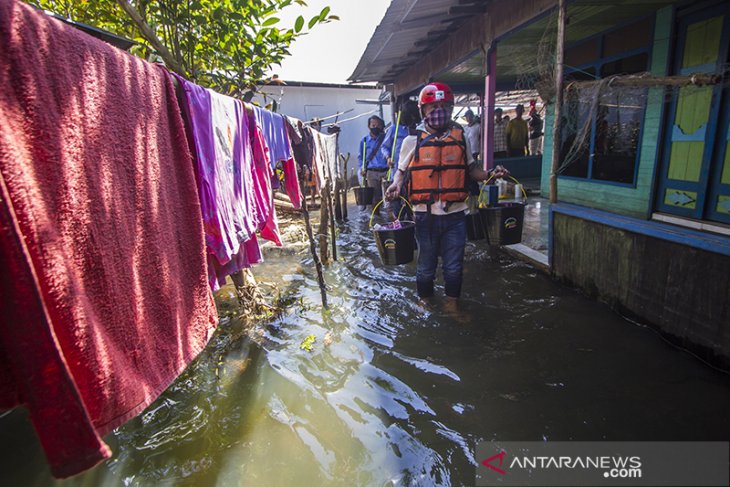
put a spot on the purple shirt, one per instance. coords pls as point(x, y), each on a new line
point(273, 127)
point(223, 161)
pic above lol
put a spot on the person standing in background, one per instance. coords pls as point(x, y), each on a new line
point(473, 133)
point(500, 137)
point(394, 135)
point(535, 125)
point(373, 165)
point(517, 134)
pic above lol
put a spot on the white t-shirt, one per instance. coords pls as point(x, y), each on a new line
point(473, 135)
point(408, 150)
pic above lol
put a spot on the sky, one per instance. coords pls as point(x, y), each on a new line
point(330, 52)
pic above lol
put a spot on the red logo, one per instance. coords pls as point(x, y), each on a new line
point(488, 462)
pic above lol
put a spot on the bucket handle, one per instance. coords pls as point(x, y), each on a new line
point(481, 191)
point(372, 215)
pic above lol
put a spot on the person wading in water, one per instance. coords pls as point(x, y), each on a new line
point(439, 162)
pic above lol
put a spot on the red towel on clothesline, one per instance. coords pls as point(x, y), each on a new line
point(104, 297)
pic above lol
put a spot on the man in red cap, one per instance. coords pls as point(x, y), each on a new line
point(439, 163)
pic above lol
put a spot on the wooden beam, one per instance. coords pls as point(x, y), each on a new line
point(699, 79)
point(477, 33)
point(557, 122)
point(466, 9)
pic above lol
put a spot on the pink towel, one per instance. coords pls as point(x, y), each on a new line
point(105, 297)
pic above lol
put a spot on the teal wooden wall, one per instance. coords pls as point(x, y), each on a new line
point(630, 201)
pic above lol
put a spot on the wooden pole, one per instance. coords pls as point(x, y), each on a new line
point(699, 79)
point(149, 34)
point(337, 200)
point(324, 222)
point(488, 121)
point(313, 250)
point(345, 184)
point(333, 234)
point(557, 122)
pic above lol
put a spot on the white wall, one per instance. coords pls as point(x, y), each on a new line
point(307, 102)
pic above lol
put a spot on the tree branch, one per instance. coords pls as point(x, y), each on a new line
point(149, 34)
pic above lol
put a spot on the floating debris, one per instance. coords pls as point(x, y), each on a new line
point(308, 342)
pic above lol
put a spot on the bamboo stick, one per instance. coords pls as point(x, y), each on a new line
point(698, 79)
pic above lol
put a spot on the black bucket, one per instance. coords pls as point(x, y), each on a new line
point(503, 223)
point(474, 227)
point(396, 246)
point(363, 195)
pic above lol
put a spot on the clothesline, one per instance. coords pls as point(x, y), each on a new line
point(121, 205)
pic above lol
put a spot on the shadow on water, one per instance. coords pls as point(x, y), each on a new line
point(396, 391)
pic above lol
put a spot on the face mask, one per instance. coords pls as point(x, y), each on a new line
point(375, 131)
point(438, 118)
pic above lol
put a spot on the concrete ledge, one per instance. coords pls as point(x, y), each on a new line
point(680, 235)
point(531, 256)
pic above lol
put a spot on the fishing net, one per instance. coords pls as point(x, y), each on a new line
point(602, 112)
point(602, 119)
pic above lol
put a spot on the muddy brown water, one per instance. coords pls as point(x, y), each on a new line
point(395, 391)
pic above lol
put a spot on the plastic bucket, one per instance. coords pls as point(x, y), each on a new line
point(474, 227)
point(396, 246)
point(503, 223)
point(363, 195)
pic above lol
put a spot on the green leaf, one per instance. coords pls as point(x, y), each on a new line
point(232, 43)
point(308, 343)
point(299, 24)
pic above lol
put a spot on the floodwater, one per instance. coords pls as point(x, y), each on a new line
point(395, 391)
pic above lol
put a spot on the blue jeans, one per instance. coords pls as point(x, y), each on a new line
point(440, 236)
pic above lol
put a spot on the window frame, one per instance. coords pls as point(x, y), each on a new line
point(597, 65)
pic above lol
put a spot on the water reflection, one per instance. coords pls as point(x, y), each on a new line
point(397, 391)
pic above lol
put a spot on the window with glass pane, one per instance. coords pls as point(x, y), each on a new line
point(574, 153)
point(617, 129)
point(599, 140)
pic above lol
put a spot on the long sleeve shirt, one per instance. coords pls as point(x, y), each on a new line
point(390, 137)
point(378, 162)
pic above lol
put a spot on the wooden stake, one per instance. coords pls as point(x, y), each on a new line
point(323, 223)
point(559, 58)
point(345, 184)
point(333, 234)
point(338, 200)
point(313, 250)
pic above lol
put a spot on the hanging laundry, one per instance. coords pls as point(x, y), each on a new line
point(274, 130)
point(302, 143)
point(223, 160)
point(273, 127)
point(104, 300)
point(325, 157)
point(262, 172)
point(249, 254)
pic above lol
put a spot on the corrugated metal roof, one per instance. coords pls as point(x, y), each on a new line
point(408, 30)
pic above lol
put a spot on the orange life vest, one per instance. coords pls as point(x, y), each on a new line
point(438, 170)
